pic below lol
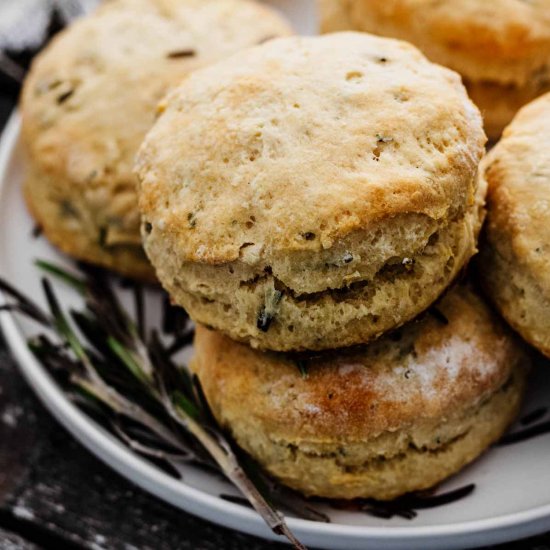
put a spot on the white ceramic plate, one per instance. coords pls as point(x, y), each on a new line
point(512, 495)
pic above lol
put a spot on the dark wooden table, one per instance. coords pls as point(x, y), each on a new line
point(55, 494)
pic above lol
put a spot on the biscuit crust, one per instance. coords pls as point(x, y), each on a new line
point(336, 173)
point(515, 256)
point(399, 415)
point(91, 96)
point(504, 41)
point(501, 48)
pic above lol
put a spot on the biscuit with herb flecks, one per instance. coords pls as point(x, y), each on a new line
point(91, 96)
point(514, 264)
point(399, 415)
point(312, 193)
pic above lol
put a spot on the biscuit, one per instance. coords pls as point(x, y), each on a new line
point(501, 48)
point(397, 416)
point(312, 193)
point(90, 98)
point(514, 263)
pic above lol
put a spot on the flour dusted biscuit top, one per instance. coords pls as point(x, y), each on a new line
point(312, 192)
point(515, 260)
point(90, 98)
point(497, 43)
point(398, 415)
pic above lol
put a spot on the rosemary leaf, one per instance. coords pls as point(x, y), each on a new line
point(175, 460)
point(185, 404)
point(68, 278)
point(61, 323)
point(302, 367)
point(24, 305)
point(128, 359)
point(26, 310)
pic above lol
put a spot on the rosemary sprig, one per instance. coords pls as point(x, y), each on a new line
point(108, 358)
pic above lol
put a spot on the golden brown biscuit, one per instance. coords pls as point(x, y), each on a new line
point(515, 257)
point(501, 47)
point(397, 416)
point(312, 193)
point(90, 98)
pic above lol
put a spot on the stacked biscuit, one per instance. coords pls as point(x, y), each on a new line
point(501, 47)
point(306, 201)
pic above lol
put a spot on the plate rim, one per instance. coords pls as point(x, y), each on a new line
point(150, 478)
